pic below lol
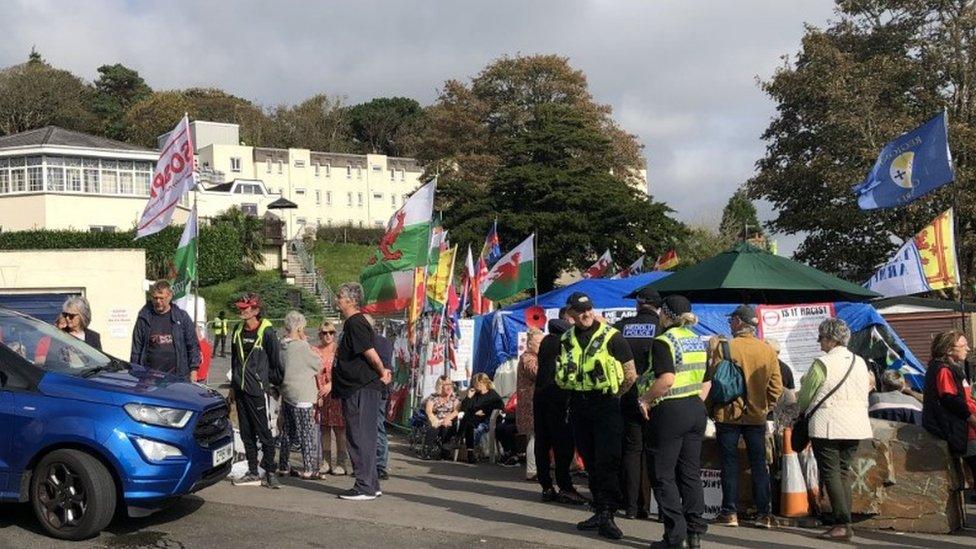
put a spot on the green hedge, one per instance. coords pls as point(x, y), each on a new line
point(273, 291)
point(350, 235)
point(221, 248)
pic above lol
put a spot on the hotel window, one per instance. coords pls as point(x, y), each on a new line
point(35, 179)
point(349, 199)
point(55, 179)
point(328, 170)
point(110, 181)
point(348, 172)
point(392, 174)
point(316, 169)
point(360, 224)
point(299, 163)
point(4, 182)
point(142, 183)
point(392, 199)
point(281, 167)
point(377, 196)
point(91, 181)
point(249, 209)
point(300, 192)
point(235, 164)
point(17, 181)
point(300, 221)
point(125, 183)
point(359, 173)
point(318, 196)
point(101, 228)
point(328, 198)
point(402, 175)
point(360, 199)
point(73, 176)
point(268, 164)
point(377, 168)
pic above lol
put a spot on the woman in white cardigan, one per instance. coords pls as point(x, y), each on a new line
point(841, 422)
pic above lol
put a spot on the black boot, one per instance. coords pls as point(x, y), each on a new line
point(591, 523)
point(608, 528)
point(665, 545)
point(694, 540)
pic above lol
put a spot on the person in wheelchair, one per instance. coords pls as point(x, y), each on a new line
point(442, 410)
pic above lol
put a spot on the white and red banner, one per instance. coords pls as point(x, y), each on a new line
point(796, 329)
point(600, 268)
point(172, 178)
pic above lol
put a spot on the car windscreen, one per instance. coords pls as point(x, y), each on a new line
point(47, 347)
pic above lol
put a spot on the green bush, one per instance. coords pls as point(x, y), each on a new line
point(273, 291)
point(221, 248)
point(350, 235)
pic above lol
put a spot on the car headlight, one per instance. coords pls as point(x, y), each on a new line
point(156, 451)
point(158, 415)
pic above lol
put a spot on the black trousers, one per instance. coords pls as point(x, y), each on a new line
point(440, 436)
point(359, 410)
point(467, 428)
point(635, 483)
point(553, 433)
point(222, 341)
point(252, 419)
point(674, 440)
point(598, 429)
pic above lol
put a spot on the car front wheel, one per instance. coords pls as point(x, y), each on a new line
point(73, 495)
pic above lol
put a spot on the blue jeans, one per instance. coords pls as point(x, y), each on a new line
point(382, 444)
point(728, 442)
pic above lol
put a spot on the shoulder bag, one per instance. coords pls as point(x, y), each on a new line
point(800, 436)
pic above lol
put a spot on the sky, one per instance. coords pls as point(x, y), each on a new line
point(681, 75)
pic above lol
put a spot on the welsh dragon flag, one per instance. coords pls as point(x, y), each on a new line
point(514, 272)
point(388, 276)
point(185, 260)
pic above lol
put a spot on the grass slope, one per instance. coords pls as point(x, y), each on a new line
point(340, 262)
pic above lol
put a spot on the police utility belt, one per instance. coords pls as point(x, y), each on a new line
point(593, 369)
point(690, 359)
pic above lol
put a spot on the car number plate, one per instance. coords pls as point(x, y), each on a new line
point(222, 454)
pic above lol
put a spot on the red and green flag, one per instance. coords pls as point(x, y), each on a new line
point(388, 276)
point(514, 272)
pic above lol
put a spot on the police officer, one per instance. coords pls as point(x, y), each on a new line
point(596, 366)
point(670, 398)
point(639, 331)
point(220, 334)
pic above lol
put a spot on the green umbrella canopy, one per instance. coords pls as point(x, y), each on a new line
point(747, 274)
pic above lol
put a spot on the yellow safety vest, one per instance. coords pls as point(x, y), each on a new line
point(690, 360)
point(220, 326)
point(590, 369)
point(258, 343)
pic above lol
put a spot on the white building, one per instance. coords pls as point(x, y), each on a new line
point(52, 178)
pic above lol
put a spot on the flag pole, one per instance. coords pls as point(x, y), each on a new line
point(447, 289)
point(535, 270)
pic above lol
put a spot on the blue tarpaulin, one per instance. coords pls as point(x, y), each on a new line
point(497, 333)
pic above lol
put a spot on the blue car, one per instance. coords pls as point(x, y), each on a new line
point(83, 434)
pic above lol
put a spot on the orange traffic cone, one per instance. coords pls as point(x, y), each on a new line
point(793, 487)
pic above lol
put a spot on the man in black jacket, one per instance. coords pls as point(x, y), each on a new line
point(550, 411)
point(639, 331)
point(164, 338)
point(255, 367)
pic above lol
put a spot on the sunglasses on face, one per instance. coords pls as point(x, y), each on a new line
point(327, 333)
point(69, 316)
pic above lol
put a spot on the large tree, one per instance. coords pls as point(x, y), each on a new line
point(35, 94)
point(117, 88)
point(739, 219)
point(319, 123)
point(526, 143)
point(880, 69)
point(160, 111)
point(386, 125)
